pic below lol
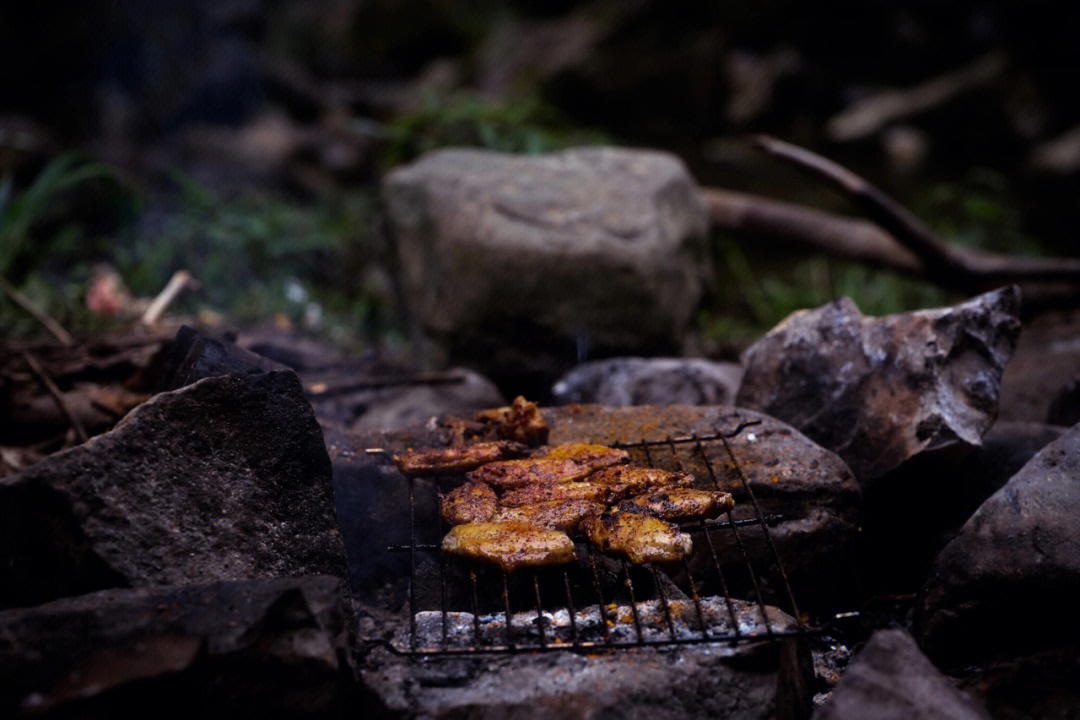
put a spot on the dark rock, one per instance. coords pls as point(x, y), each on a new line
point(686, 682)
point(808, 486)
point(516, 265)
point(404, 405)
point(878, 391)
point(279, 646)
point(898, 552)
point(194, 356)
point(1065, 406)
point(1044, 686)
point(1008, 582)
point(224, 479)
point(1047, 357)
point(649, 381)
point(891, 678)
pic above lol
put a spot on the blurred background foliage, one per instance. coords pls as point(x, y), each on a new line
point(244, 140)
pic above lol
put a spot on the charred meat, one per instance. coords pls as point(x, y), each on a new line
point(456, 460)
point(509, 545)
point(639, 538)
point(472, 502)
point(595, 457)
point(563, 515)
point(631, 480)
point(513, 474)
point(680, 504)
point(558, 492)
point(520, 420)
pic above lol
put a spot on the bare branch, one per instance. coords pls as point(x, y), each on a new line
point(38, 314)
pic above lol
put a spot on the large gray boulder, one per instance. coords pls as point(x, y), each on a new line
point(1009, 581)
point(224, 479)
point(620, 382)
point(878, 391)
point(518, 264)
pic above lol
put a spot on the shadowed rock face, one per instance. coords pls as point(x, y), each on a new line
point(878, 391)
point(224, 479)
point(1009, 581)
point(890, 678)
point(516, 265)
point(228, 649)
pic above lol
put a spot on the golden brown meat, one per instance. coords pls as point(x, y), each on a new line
point(509, 545)
point(594, 456)
point(632, 480)
point(512, 474)
point(558, 491)
point(469, 503)
point(563, 515)
point(456, 460)
point(640, 538)
point(680, 504)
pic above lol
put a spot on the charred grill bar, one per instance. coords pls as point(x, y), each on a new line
point(533, 636)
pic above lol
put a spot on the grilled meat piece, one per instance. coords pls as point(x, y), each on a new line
point(640, 538)
point(563, 515)
point(595, 456)
point(513, 474)
point(631, 480)
point(558, 491)
point(509, 545)
point(680, 504)
point(520, 420)
point(456, 460)
point(469, 503)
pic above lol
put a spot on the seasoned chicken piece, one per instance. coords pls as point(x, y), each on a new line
point(510, 545)
point(563, 515)
point(469, 503)
point(595, 456)
point(512, 474)
point(520, 420)
point(640, 538)
point(680, 504)
point(631, 480)
point(558, 491)
point(456, 460)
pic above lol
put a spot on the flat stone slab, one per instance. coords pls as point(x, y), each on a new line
point(878, 391)
point(224, 479)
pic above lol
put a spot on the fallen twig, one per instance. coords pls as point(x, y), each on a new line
point(57, 396)
point(180, 281)
point(26, 304)
point(951, 267)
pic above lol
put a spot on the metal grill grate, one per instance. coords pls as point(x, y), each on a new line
point(642, 621)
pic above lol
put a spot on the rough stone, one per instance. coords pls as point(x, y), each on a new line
point(516, 265)
point(1009, 581)
point(878, 391)
point(272, 647)
point(649, 381)
point(638, 684)
point(401, 406)
point(890, 678)
point(224, 479)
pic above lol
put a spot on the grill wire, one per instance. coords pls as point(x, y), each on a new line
point(513, 639)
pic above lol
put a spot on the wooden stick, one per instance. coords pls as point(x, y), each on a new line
point(26, 304)
point(57, 396)
point(180, 281)
point(964, 270)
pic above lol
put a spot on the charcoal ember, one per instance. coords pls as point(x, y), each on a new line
point(224, 479)
point(878, 391)
point(890, 678)
point(225, 649)
point(1008, 582)
point(810, 488)
point(515, 264)
point(649, 381)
